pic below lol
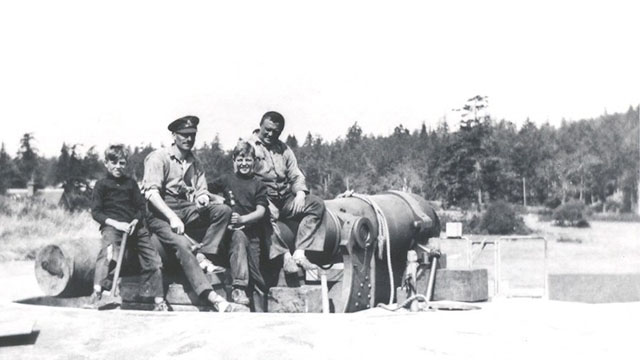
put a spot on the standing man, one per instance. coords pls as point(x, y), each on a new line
point(289, 198)
point(176, 189)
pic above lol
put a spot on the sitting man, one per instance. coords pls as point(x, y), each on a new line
point(289, 198)
point(176, 189)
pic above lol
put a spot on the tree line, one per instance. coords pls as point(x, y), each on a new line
point(480, 161)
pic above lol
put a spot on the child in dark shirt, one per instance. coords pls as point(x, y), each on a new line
point(118, 206)
point(247, 197)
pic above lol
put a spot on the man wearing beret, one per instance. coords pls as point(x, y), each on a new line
point(289, 197)
point(176, 189)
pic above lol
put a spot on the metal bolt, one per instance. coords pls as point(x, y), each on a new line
point(359, 294)
point(366, 277)
point(368, 306)
point(369, 296)
point(369, 286)
point(357, 304)
point(362, 285)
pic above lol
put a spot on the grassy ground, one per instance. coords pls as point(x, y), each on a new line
point(26, 226)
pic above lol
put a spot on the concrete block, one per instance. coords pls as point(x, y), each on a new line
point(182, 294)
point(177, 289)
point(594, 288)
point(303, 299)
point(455, 285)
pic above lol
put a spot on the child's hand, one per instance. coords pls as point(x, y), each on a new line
point(122, 226)
point(132, 226)
point(237, 219)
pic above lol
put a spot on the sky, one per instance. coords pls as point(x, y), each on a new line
point(95, 73)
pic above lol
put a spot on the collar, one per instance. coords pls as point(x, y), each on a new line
point(175, 152)
point(117, 179)
point(255, 139)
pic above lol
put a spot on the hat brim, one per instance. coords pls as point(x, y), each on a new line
point(187, 131)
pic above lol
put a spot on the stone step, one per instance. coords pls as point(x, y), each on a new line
point(452, 284)
point(303, 299)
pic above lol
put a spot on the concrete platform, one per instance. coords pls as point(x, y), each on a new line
point(594, 288)
point(502, 329)
point(506, 329)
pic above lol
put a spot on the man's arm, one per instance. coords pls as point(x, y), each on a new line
point(152, 183)
point(202, 195)
point(296, 180)
point(294, 175)
point(158, 203)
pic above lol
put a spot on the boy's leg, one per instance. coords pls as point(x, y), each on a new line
point(151, 264)
point(108, 252)
point(254, 259)
point(238, 260)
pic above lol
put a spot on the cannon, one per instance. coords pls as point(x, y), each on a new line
point(367, 239)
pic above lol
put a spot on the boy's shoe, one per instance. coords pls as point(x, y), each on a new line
point(206, 265)
point(289, 265)
point(239, 296)
point(94, 301)
point(222, 306)
point(162, 306)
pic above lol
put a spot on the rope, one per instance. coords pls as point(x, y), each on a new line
point(337, 223)
point(390, 307)
point(383, 235)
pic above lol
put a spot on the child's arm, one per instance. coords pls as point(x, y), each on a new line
point(97, 206)
point(249, 218)
point(138, 202)
point(122, 226)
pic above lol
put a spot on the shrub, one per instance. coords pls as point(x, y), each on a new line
point(501, 219)
point(572, 213)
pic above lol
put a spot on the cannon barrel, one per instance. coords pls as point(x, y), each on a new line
point(352, 226)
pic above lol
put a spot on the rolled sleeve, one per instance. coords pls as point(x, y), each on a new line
point(295, 176)
point(154, 169)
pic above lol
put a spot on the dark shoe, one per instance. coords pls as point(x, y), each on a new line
point(163, 306)
point(239, 297)
point(289, 265)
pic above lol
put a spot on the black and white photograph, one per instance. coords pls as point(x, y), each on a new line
point(319, 180)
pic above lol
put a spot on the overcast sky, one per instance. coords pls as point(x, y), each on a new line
point(96, 73)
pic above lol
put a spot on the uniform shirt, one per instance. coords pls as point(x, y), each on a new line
point(248, 192)
point(277, 167)
point(167, 173)
point(117, 198)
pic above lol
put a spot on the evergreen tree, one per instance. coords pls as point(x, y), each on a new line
point(27, 161)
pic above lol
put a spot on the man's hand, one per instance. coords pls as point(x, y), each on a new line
point(176, 225)
point(202, 200)
point(298, 203)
